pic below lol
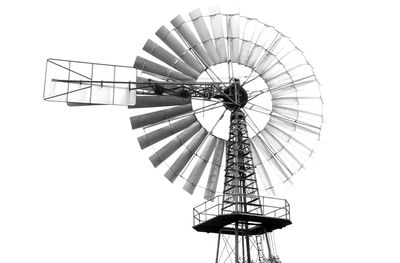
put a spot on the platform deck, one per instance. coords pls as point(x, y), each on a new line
point(257, 224)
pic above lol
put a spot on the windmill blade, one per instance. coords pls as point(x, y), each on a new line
point(266, 180)
point(264, 63)
point(276, 145)
point(249, 31)
point(198, 169)
point(245, 52)
point(287, 137)
point(310, 116)
point(157, 116)
point(266, 36)
point(233, 27)
point(284, 72)
point(81, 83)
point(269, 57)
point(188, 36)
point(280, 150)
point(205, 36)
point(288, 65)
point(180, 163)
point(296, 100)
point(297, 82)
point(169, 59)
point(294, 126)
point(296, 112)
point(166, 131)
point(255, 55)
point(165, 152)
point(257, 141)
point(245, 47)
point(218, 32)
point(159, 101)
point(164, 72)
point(183, 53)
point(215, 170)
point(279, 166)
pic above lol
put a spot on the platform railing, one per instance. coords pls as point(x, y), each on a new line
point(269, 207)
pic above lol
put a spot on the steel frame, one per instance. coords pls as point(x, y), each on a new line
point(241, 213)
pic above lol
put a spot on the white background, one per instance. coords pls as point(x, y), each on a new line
point(74, 186)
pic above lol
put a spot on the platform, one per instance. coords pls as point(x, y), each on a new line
point(257, 224)
point(208, 217)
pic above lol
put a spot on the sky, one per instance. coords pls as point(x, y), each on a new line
point(75, 187)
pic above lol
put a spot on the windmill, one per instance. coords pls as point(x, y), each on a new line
point(219, 98)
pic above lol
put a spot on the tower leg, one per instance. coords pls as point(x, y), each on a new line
point(268, 245)
point(272, 255)
point(248, 247)
point(219, 242)
point(236, 242)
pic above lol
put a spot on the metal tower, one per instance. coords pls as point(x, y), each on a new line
point(244, 218)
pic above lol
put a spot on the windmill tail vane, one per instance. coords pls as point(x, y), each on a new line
point(222, 102)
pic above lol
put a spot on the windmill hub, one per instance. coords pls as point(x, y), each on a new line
point(235, 97)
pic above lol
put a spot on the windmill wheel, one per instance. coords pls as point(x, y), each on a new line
point(276, 86)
